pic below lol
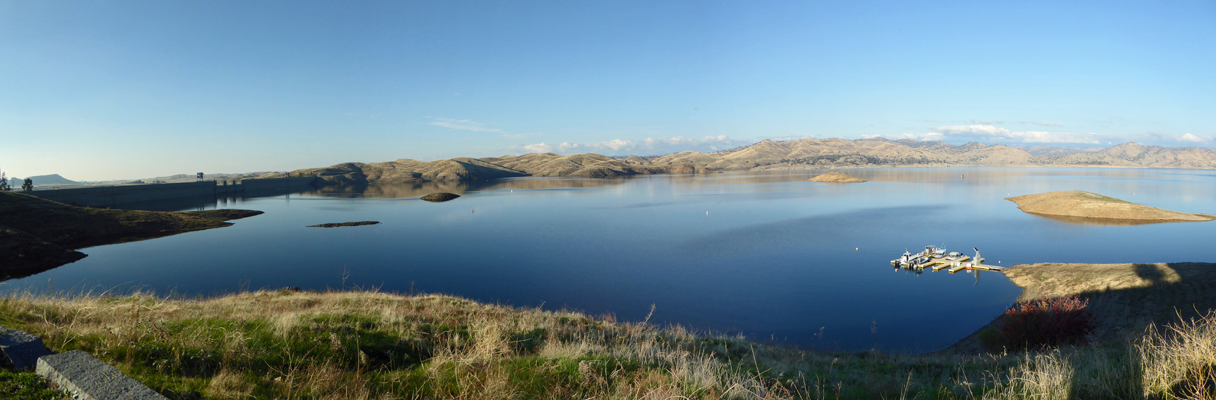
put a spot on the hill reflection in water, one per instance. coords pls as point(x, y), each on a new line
point(406, 190)
point(766, 254)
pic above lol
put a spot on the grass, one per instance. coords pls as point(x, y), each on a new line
point(371, 345)
point(27, 386)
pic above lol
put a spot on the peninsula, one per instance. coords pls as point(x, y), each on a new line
point(1080, 206)
point(37, 234)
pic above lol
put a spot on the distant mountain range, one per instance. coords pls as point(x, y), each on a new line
point(43, 180)
point(765, 155)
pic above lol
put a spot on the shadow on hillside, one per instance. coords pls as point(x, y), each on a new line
point(1163, 294)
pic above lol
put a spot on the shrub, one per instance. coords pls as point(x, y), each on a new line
point(1042, 323)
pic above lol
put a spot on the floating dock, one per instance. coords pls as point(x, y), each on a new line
point(935, 258)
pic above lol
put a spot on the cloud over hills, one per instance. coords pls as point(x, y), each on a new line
point(648, 146)
point(983, 132)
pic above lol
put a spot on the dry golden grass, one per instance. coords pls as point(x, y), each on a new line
point(371, 345)
point(1085, 207)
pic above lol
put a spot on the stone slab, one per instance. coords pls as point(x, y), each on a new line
point(21, 349)
point(88, 378)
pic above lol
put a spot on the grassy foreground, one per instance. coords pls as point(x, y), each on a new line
point(372, 345)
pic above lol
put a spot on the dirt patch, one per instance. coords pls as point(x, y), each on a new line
point(837, 177)
point(341, 224)
point(37, 234)
point(1085, 207)
point(1124, 298)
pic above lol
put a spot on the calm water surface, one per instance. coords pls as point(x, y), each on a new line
point(767, 255)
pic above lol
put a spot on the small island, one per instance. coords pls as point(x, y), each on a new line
point(1085, 207)
point(341, 224)
point(440, 197)
point(837, 177)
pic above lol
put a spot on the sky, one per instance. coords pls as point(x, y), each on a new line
point(133, 89)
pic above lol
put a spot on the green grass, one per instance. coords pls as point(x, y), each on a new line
point(27, 386)
point(368, 345)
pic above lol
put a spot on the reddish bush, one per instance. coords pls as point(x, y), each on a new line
point(1043, 323)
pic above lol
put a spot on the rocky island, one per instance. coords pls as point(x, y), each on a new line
point(342, 224)
point(440, 197)
point(1086, 207)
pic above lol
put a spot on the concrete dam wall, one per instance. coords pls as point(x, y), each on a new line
point(130, 195)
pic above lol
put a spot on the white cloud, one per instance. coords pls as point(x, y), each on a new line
point(1187, 137)
point(991, 132)
point(648, 146)
point(538, 148)
point(787, 138)
point(913, 136)
point(462, 124)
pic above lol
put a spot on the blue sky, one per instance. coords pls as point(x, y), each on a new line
point(115, 90)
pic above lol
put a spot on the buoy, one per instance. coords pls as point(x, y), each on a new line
point(472, 211)
point(857, 249)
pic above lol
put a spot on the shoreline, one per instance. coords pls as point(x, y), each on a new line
point(1124, 298)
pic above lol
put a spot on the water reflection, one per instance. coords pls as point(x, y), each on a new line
point(763, 253)
point(1101, 221)
point(413, 190)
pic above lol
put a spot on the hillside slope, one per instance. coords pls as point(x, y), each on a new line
point(765, 155)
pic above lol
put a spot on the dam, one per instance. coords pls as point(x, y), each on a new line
point(174, 196)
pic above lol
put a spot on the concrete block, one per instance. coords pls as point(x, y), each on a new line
point(88, 378)
point(21, 349)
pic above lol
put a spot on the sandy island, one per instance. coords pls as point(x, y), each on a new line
point(837, 177)
point(1086, 207)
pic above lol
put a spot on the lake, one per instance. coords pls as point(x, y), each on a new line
point(766, 255)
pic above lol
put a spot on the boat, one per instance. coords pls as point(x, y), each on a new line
point(937, 259)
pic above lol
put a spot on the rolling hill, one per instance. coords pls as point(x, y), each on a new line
point(765, 155)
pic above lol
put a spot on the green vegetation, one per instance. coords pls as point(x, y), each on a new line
point(370, 345)
point(27, 386)
point(1099, 198)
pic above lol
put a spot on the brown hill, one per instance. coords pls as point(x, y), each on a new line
point(765, 155)
point(837, 177)
point(411, 171)
point(1079, 206)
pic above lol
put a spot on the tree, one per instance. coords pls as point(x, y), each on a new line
point(28, 185)
point(4, 183)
